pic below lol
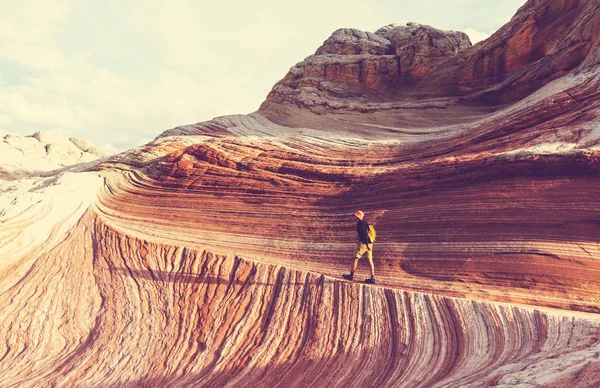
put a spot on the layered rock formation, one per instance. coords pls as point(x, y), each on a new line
point(398, 65)
point(43, 194)
point(366, 66)
point(212, 255)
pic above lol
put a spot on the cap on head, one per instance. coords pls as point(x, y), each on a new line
point(359, 214)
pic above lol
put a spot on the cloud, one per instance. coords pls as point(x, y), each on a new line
point(27, 31)
point(94, 103)
point(477, 36)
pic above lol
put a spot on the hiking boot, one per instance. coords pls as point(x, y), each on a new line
point(349, 276)
point(370, 280)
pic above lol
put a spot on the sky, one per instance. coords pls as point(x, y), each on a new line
point(118, 73)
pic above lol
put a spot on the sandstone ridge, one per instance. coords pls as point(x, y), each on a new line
point(212, 255)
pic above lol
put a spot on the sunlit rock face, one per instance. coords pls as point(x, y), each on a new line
point(358, 71)
point(43, 153)
point(43, 194)
point(365, 66)
point(212, 256)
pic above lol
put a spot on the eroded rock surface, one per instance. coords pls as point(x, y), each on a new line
point(43, 153)
point(357, 70)
point(43, 194)
point(212, 256)
point(419, 47)
point(366, 66)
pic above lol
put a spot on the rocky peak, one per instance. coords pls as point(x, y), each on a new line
point(356, 70)
point(350, 41)
point(363, 65)
point(420, 47)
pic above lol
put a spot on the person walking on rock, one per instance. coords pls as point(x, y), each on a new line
point(363, 245)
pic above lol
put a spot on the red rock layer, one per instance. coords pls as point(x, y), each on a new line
point(544, 41)
point(142, 313)
point(212, 256)
point(480, 227)
point(473, 212)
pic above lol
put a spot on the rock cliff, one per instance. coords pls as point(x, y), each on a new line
point(212, 255)
point(357, 70)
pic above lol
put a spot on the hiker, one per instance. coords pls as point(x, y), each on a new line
point(363, 245)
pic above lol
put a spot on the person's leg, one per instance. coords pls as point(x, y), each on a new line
point(370, 259)
point(358, 252)
point(372, 266)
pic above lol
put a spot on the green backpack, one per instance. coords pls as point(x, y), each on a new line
point(371, 233)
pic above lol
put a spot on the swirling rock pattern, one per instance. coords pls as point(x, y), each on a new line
point(212, 255)
point(150, 314)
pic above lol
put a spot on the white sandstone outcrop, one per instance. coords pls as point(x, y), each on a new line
point(42, 153)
